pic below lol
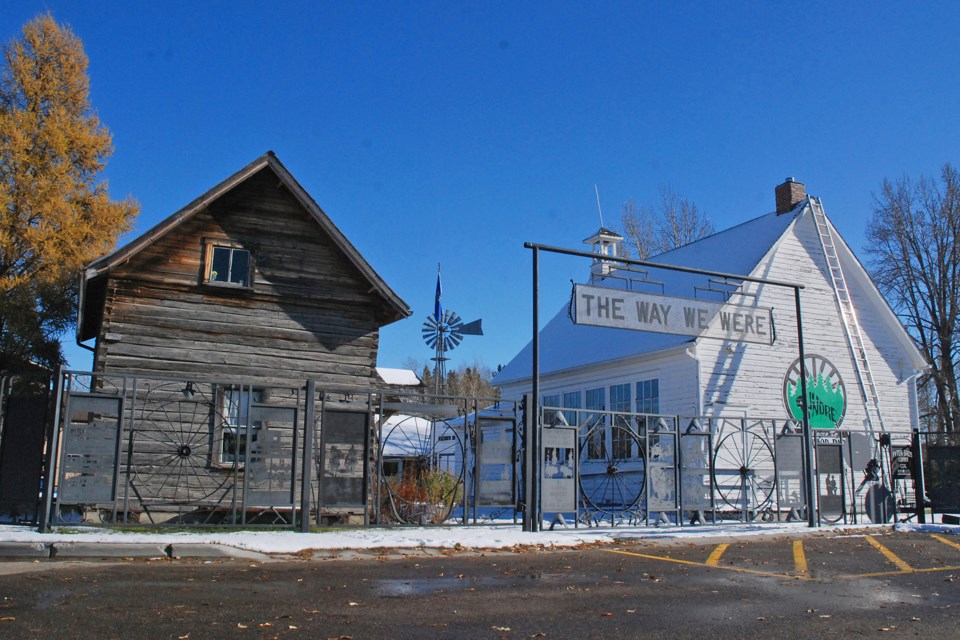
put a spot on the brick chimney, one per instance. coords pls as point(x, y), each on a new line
point(789, 195)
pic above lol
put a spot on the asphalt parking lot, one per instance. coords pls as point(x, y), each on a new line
point(835, 557)
point(825, 584)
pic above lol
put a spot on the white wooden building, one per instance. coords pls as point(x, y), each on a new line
point(859, 389)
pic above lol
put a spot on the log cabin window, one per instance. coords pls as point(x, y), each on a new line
point(235, 409)
point(228, 266)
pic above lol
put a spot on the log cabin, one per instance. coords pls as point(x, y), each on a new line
point(218, 316)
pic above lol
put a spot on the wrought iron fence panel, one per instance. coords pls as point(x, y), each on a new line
point(612, 465)
point(495, 473)
point(791, 488)
point(663, 468)
point(696, 470)
point(744, 468)
point(177, 452)
point(432, 467)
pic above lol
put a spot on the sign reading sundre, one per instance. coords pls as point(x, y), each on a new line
point(826, 395)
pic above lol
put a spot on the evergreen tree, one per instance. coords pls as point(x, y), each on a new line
point(57, 215)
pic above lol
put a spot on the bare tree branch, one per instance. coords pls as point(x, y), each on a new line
point(674, 222)
point(915, 261)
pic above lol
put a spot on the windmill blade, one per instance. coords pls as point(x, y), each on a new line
point(472, 328)
point(431, 332)
point(452, 320)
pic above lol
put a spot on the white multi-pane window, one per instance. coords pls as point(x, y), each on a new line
point(648, 396)
point(552, 401)
point(596, 400)
point(571, 400)
point(620, 401)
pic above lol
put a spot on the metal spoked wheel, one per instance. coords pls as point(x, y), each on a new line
point(423, 470)
point(612, 473)
point(171, 453)
point(744, 471)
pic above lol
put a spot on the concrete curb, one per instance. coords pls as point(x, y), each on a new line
point(116, 550)
point(107, 550)
point(24, 550)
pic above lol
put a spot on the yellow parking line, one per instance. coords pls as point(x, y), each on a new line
point(770, 574)
point(880, 574)
point(799, 558)
point(714, 558)
point(890, 555)
point(945, 541)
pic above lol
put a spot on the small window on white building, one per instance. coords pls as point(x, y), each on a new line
point(620, 401)
point(648, 396)
point(550, 403)
point(596, 444)
point(571, 400)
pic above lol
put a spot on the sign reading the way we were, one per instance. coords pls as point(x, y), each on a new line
point(602, 307)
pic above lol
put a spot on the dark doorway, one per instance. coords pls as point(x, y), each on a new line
point(21, 456)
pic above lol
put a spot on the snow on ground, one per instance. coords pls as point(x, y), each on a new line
point(498, 536)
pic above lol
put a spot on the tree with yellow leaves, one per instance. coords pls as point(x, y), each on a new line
point(56, 212)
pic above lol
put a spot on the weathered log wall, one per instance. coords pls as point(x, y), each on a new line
point(309, 314)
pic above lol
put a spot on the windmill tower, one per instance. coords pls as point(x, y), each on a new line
point(443, 331)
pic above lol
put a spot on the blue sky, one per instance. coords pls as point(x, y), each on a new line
point(453, 132)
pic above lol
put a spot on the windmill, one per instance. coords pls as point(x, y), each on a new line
point(443, 331)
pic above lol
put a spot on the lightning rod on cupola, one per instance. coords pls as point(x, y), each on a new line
point(443, 331)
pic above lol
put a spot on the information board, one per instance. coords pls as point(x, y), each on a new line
point(558, 472)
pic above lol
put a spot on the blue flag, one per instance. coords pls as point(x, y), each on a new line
point(437, 309)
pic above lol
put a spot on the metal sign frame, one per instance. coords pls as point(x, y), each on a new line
point(640, 311)
point(533, 516)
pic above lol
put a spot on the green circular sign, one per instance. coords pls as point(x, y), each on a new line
point(826, 395)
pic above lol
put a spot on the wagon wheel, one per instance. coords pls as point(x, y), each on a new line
point(744, 471)
point(612, 473)
point(171, 454)
point(431, 481)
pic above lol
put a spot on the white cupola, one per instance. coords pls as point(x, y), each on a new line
point(605, 244)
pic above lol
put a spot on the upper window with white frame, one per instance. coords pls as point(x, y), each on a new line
point(228, 266)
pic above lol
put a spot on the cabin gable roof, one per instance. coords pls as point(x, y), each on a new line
point(94, 275)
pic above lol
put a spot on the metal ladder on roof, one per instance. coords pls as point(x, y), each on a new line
point(851, 326)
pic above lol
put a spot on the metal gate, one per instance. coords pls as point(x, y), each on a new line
point(936, 473)
point(24, 404)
